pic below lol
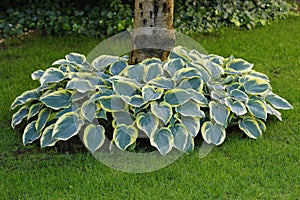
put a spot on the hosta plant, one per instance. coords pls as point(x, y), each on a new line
point(168, 102)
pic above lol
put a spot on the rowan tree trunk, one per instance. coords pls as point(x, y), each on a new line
point(153, 34)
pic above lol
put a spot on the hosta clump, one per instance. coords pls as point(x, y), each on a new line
point(167, 102)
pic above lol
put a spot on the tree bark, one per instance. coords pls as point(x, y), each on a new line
point(153, 34)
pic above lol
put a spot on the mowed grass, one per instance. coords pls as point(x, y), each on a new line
point(241, 168)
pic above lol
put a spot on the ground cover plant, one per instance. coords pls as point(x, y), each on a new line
point(240, 168)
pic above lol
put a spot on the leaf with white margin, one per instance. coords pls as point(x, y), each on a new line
point(112, 103)
point(125, 79)
point(256, 86)
point(93, 137)
point(42, 119)
point(236, 107)
point(136, 72)
point(215, 69)
point(180, 135)
point(163, 111)
point(72, 108)
point(150, 61)
point(162, 82)
point(37, 74)
point(24, 98)
point(30, 134)
point(173, 65)
point(190, 109)
point(153, 70)
point(213, 133)
point(257, 108)
point(76, 58)
point(163, 140)
point(117, 67)
point(199, 98)
point(80, 85)
point(239, 95)
point(88, 110)
point(147, 123)
point(219, 113)
point(189, 144)
point(135, 100)
point(262, 125)
point(34, 110)
point(192, 124)
point(176, 97)
point(259, 75)
point(240, 65)
point(103, 61)
point(124, 136)
point(278, 102)
point(195, 83)
point(233, 86)
point(149, 93)
point(46, 139)
point(101, 114)
point(67, 126)
point(124, 88)
point(19, 116)
point(187, 72)
point(251, 127)
point(273, 111)
point(123, 117)
point(204, 74)
point(52, 75)
point(57, 100)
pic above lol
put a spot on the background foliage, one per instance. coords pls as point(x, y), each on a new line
point(104, 18)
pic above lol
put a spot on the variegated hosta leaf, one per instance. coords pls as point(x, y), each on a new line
point(273, 111)
point(173, 65)
point(123, 117)
point(186, 73)
point(117, 67)
point(199, 98)
point(103, 61)
point(205, 75)
point(147, 123)
point(218, 95)
point(189, 144)
point(153, 70)
point(176, 97)
point(24, 98)
point(93, 137)
point(136, 72)
point(215, 69)
point(150, 61)
point(47, 139)
point(190, 109)
point(112, 103)
point(30, 133)
point(42, 119)
point(37, 74)
point(52, 75)
point(219, 113)
point(278, 102)
point(72, 108)
point(251, 127)
point(135, 100)
point(162, 82)
point(180, 135)
point(259, 75)
point(195, 83)
point(19, 116)
point(78, 96)
point(67, 126)
point(256, 86)
point(88, 111)
point(149, 93)
point(57, 100)
point(233, 86)
point(101, 114)
point(163, 140)
point(257, 108)
point(76, 58)
point(262, 125)
point(192, 124)
point(80, 85)
point(237, 107)
point(239, 95)
point(240, 65)
point(213, 133)
point(215, 59)
point(34, 110)
point(125, 79)
point(163, 111)
point(180, 52)
point(124, 136)
point(124, 88)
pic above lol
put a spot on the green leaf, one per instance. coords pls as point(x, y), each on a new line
point(24, 98)
point(173, 65)
point(34, 110)
point(176, 97)
point(239, 95)
point(162, 82)
point(46, 139)
point(153, 70)
point(278, 102)
point(219, 113)
point(67, 126)
point(257, 108)
point(236, 107)
point(93, 137)
point(52, 75)
point(163, 111)
point(112, 103)
point(190, 109)
point(273, 111)
point(213, 133)
point(117, 67)
point(123, 117)
point(88, 110)
point(19, 116)
point(80, 85)
point(149, 93)
point(124, 88)
point(57, 100)
point(136, 72)
point(124, 136)
point(192, 124)
point(37, 74)
point(147, 123)
point(240, 65)
point(195, 83)
point(30, 134)
point(256, 86)
point(103, 61)
point(180, 135)
point(42, 119)
point(163, 140)
point(250, 127)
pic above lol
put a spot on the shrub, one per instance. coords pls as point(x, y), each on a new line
point(167, 102)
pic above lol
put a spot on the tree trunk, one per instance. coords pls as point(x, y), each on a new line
point(153, 34)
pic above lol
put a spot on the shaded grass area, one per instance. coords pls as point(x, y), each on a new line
point(240, 168)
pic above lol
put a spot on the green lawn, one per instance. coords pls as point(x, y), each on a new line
point(240, 168)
